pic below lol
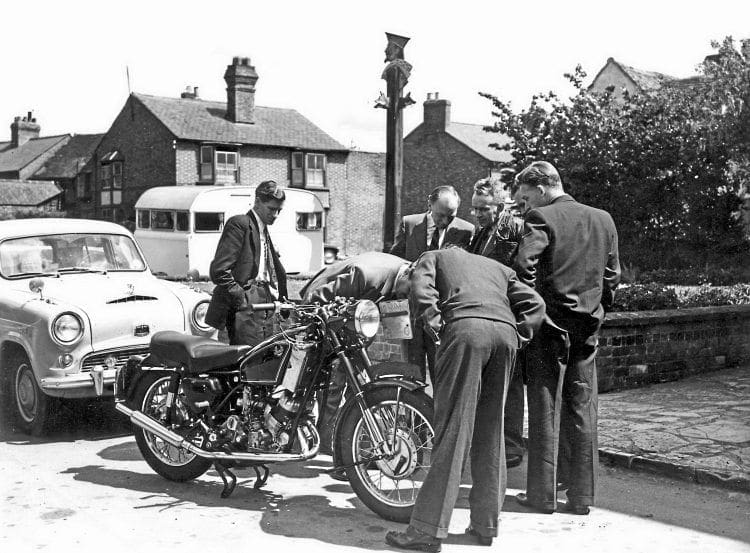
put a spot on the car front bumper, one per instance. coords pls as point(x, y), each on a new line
point(99, 380)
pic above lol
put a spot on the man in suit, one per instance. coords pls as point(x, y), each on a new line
point(246, 270)
point(569, 255)
point(481, 322)
point(498, 235)
point(372, 276)
point(429, 231)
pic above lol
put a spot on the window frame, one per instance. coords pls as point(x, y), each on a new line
point(209, 171)
point(300, 170)
point(110, 183)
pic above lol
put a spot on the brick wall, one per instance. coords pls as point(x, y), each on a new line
point(435, 158)
point(657, 346)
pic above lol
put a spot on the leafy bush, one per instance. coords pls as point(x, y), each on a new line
point(718, 276)
point(705, 296)
point(645, 297)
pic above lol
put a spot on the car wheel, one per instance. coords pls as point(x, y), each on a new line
point(31, 406)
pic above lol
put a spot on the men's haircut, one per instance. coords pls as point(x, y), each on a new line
point(450, 246)
point(268, 190)
point(443, 190)
point(491, 187)
point(540, 173)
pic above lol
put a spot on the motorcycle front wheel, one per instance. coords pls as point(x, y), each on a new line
point(167, 460)
point(389, 484)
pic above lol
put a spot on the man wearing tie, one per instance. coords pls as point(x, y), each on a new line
point(246, 270)
point(423, 232)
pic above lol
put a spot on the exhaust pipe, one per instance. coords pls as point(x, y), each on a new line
point(150, 425)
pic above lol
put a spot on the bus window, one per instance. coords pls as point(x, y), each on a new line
point(209, 222)
point(162, 220)
point(144, 218)
point(182, 220)
point(310, 221)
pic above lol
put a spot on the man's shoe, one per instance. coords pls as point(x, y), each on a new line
point(562, 487)
point(338, 474)
point(413, 539)
point(524, 501)
point(482, 540)
point(575, 508)
point(513, 460)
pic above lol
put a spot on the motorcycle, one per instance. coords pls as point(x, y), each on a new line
point(196, 402)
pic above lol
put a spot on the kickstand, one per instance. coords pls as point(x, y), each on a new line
point(228, 484)
point(261, 480)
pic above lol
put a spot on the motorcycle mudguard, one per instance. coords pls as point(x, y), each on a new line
point(387, 382)
point(396, 369)
point(129, 376)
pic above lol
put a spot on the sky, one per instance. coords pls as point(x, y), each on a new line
point(66, 60)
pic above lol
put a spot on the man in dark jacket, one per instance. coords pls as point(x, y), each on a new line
point(481, 322)
point(246, 270)
point(429, 231)
point(372, 276)
point(569, 255)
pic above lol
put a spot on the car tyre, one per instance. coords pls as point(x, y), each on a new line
point(31, 407)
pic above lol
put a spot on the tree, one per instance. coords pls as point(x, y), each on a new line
point(670, 166)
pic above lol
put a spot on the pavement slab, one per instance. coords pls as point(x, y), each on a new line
point(697, 428)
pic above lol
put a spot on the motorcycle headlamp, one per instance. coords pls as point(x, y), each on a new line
point(67, 328)
point(366, 318)
point(199, 316)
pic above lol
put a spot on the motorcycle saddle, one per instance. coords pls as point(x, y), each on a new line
point(194, 353)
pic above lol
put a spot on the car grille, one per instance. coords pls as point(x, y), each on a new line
point(128, 299)
point(121, 357)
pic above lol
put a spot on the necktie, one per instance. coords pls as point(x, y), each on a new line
point(435, 241)
point(270, 269)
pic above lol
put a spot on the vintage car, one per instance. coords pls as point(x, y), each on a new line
point(77, 299)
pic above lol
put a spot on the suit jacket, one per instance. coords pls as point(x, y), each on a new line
point(500, 240)
point(445, 288)
point(369, 275)
point(569, 255)
point(235, 263)
point(411, 240)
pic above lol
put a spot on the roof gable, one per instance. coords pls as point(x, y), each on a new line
point(201, 120)
point(15, 159)
point(479, 140)
point(71, 158)
point(27, 193)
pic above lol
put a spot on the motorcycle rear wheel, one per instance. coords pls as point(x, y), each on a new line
point(389, 486)
point(168, 461)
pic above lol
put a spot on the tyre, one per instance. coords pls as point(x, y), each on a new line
point(30, 407)
point(167, 460)
point(389, 486)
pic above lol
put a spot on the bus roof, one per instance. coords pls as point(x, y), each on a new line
point(196, 198)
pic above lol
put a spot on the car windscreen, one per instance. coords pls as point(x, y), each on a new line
point(75, 252)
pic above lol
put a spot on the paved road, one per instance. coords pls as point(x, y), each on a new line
point(90, 490)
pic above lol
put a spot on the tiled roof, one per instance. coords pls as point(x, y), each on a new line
point(27, 193)
point(201, 120)
point(70, 159)
point(479, 140)
point(15, 159)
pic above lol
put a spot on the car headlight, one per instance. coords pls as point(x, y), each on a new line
point(366, 318)
point(67, 328)
point(199, 316)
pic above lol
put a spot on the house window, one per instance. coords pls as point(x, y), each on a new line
point(209, 222)
point(111, 183)
point(310, 221)
point(308, 170)
point(83, 186)
point(219, 165)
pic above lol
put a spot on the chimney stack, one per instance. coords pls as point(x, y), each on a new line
point(437, 113)
point(240, 77)
point(23, 130)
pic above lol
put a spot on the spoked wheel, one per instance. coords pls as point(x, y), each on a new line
point(389, 485)
point(171, 462)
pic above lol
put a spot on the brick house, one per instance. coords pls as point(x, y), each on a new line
point(442, 152)
point(27, 152)
point(21, 195)
point(72, 168)
point(188, 141)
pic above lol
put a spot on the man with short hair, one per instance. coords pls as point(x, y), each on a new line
point(480, 322)
point(371, 275)
point(246, 270)
point(569, 254)
point(498, 235)
point(422, 232)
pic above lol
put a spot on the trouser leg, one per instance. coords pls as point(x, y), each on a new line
point(488, 468)
point(252, 327)
point(514, 408)
point(329, 409)
point(579, 416)
point(465, 349)
point(545, 365)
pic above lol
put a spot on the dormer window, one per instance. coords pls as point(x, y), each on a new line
point(110, 182)
point(308, 170)
point(219, 165)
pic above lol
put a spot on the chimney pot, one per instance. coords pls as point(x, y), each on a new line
point(195, 92)
point(429, 95)
point(236, 60)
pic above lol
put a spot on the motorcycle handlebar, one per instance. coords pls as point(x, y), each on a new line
point(263, 306)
